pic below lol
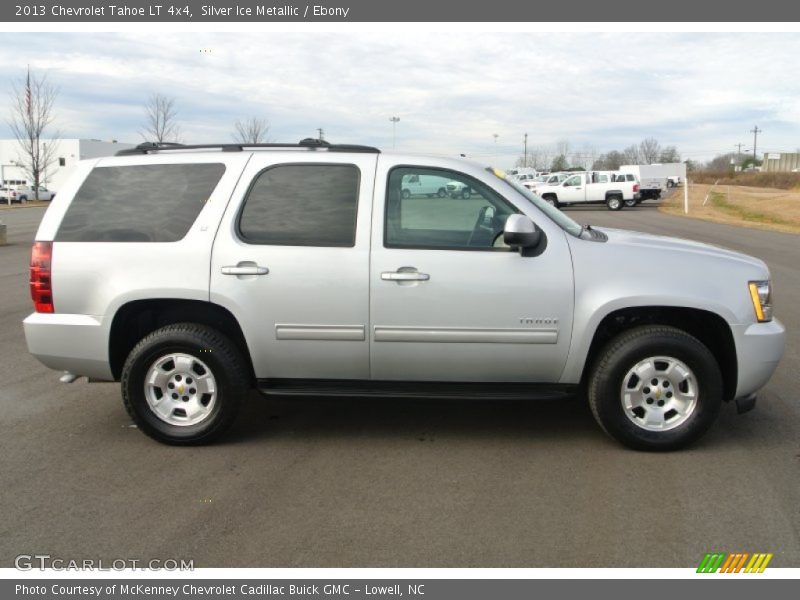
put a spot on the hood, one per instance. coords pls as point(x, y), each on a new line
point(636, 240)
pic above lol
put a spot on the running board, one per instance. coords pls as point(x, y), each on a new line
point(402, 389)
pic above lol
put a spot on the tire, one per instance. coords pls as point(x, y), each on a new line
point(406, 194)
point(614, 202)
point(552, 201)
point(23, 199)
point(630, 203)
point(643, 417)
point(466, 194)
point(441, 193)
point(201, 358)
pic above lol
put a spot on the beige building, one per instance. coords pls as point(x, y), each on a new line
point(786, 162)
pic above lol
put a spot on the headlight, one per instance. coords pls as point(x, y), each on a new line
point(761, 295)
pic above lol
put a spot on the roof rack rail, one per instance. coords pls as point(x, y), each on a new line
point(309, 143)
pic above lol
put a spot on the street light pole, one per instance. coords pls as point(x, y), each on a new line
point(495, 136)
point(395, 121)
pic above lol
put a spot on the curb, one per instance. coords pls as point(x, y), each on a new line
point(31, 204)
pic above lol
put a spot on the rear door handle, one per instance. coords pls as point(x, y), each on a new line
point(244, 270)
point(404, 276)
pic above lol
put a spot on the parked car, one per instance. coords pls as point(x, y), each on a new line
point(44, 193)
point(24, 193)
point(424, 185)
point(581, 188)
point(11, 194)
point(458, 189)
point(193, 275)
point(549, 179)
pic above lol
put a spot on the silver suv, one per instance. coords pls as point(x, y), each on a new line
point(193, 273)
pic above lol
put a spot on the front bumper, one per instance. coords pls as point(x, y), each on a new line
point(759, 348)
point(65, 342)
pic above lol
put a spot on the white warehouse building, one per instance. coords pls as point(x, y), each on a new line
point(68, 152)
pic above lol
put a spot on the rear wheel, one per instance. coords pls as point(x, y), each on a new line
point(630, 203)
point(465, 194)
point(406, 194)
point(655, 388)
point(614, 202)
point(441, 193)
point(183, 384)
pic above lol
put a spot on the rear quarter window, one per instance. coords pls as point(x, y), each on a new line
point(139, 203)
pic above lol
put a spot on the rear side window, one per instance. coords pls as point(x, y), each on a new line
point(142, 203)
point(302, 205)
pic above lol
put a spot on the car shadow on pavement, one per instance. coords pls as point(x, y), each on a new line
point(421, 419)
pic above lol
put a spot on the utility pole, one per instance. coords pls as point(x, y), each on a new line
point(755, 133)
point(321, 134)
point(395, 121)
point(526, 150)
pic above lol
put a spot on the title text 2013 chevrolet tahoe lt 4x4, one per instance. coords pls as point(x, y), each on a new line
point(193, 273)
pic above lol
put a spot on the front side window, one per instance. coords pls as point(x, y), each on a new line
point(465, 214)
point(302, 205)
point(573, 181)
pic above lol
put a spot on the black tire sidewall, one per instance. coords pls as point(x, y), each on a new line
point(228, 392)
point(608, 383)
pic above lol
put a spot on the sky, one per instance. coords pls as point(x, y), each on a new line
point(702, 92)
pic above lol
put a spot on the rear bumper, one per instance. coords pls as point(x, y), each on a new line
point(74, 343)
point(759, 348)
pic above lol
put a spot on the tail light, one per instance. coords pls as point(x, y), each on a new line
point(40, 279)
point(635, 187)
point(13, 194)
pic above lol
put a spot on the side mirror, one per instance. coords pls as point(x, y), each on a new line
point(520, 232)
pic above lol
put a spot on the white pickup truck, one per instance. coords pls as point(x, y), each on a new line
point(589, 187)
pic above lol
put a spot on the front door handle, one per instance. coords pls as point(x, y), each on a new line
point(244, 270)
point(404, 276)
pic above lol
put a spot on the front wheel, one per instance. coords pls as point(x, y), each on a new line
point(441, 193)
point(183, 384)
point(655, 388)
point(614, 203)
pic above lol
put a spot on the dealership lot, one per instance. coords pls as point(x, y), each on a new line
point(326, 483)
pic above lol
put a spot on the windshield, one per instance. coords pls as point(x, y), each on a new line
point(555, 215)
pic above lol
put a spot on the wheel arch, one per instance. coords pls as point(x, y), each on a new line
point(708, 327)
point(136, 319)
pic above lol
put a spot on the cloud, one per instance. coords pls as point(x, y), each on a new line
point(701, 92)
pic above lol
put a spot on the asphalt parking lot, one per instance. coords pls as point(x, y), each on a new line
point(344, 483)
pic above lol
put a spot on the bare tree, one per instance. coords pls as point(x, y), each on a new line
point(161, 119)
point(649, 150)
point(32, 101)
point(538, 158)
point(722, 162)
point(669, 154)
point(632, 155)
point(610, 161)
point(252, 130)
point(584, 157)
